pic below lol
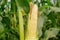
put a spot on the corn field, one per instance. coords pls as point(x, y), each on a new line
point(29, 19)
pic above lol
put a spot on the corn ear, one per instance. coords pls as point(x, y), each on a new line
point(32, 23)
point(21, 28)
point(21, 25)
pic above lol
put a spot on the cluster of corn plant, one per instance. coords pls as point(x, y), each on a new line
point(29, 19)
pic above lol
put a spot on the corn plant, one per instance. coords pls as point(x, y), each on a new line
point(29, 19)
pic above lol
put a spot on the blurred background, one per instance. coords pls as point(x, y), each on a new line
point(48, 18)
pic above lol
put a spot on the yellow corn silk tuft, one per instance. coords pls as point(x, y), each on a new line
point(32, 23)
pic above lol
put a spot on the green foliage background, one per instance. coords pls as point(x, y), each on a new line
point(48, 20)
